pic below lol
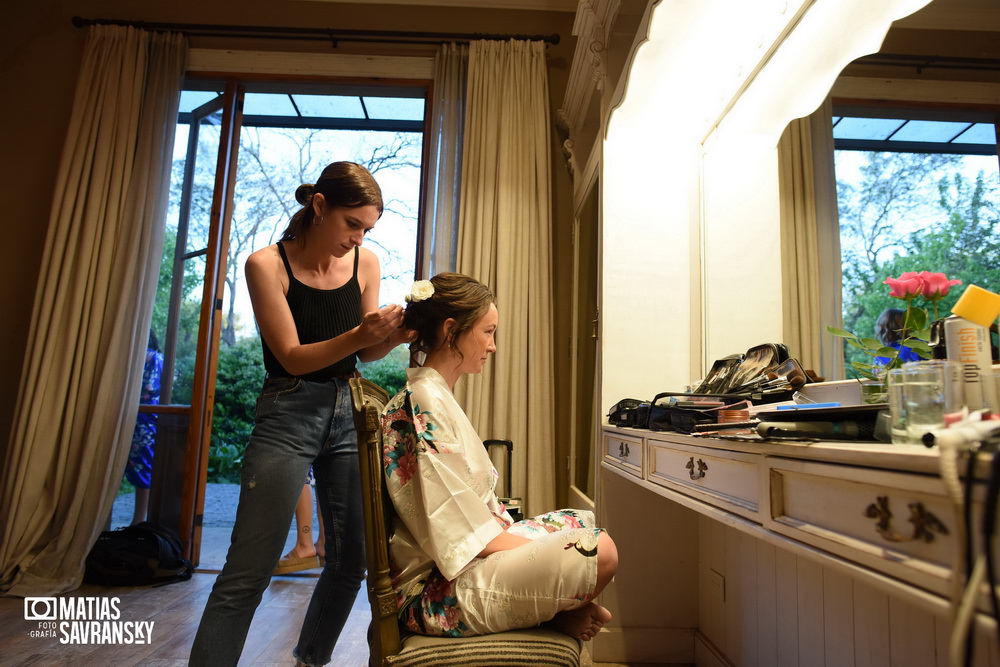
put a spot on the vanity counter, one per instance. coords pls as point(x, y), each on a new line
point(770, 553)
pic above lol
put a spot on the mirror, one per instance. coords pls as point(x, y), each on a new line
point(691, 242)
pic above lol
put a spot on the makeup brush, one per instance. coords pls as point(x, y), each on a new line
point(794, 379)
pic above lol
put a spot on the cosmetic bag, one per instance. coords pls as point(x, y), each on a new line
point(623, 413)
point(672, 411)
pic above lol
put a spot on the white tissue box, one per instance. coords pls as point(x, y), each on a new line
point(845, 392)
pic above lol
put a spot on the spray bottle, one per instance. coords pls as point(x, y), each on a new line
point(967, 341)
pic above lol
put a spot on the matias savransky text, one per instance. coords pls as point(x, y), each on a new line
point(84, 620)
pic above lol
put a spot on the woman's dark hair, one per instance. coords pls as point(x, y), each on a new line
point(457, 296)
point(342, 184)
point(152, 342)
point(889, 326)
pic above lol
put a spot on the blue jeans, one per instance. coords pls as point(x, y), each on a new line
point(298, 423)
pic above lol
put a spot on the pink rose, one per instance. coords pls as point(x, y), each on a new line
point(936, 285)
point(907, 286)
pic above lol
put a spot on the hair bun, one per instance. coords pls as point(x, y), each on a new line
point(304, 193)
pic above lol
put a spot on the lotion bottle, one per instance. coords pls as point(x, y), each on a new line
point(967, 340)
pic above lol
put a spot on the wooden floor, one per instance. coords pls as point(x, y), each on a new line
point(175, 611)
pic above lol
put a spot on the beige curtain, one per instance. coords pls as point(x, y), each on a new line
point(504, 240)
point(80, 381)
point(811, 283)
point(831, 283)
point(439, 233)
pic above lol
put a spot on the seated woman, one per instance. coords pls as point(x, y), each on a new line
point(460, 565)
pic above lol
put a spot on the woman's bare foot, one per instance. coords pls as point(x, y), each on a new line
point(583, 622)
point(300, 551)
point(297, 559)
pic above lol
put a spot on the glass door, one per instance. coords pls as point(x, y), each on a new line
point(178, 365)
point(179, 319)
point(242, 148)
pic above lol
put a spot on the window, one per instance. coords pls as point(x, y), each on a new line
point(917, 190)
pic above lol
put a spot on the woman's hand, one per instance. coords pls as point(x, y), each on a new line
point(401, 335)
point(380, 325)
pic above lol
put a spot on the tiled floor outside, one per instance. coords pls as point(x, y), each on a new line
point(220, 509)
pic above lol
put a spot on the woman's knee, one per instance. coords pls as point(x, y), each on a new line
point(607, 560)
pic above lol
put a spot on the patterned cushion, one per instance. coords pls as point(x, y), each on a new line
point(536, 646)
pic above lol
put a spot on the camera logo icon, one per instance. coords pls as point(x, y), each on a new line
point(40, 609)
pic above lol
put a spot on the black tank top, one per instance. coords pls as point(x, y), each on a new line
point(319, 314)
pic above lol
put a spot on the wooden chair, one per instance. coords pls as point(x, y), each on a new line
point(533, 646)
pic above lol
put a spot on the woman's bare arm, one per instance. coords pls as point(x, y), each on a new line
point(264, 271)
point(370, 277)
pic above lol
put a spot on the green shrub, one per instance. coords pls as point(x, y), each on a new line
point(225, 461)
point(389, 372)
point(239, 376)
point(124, 487)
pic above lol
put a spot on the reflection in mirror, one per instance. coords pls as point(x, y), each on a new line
point(912, 133)
point(936, 216)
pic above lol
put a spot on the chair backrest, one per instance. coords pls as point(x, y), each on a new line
point(368, 400)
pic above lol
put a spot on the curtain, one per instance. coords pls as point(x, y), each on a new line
point(82, 370)
point(504, 240)
point(810, 279)
point(439, 235)
point(831, 348)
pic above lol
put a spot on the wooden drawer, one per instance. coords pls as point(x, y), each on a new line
point(726, 479)
point(624, 452)
point(901, 524)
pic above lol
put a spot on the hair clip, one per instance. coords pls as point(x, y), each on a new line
point(421, 291)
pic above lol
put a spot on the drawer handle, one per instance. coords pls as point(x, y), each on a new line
point(701, 465)
point(925, 524)
point(623, 451)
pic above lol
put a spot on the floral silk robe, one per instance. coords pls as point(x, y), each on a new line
point(441, 481)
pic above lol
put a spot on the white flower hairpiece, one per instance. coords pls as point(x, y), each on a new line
point(421, 290)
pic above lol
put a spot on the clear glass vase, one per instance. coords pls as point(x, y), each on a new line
point(874, 391)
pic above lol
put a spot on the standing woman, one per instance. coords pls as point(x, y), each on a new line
point(315, 298)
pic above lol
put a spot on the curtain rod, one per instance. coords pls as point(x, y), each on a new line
point(333, 35)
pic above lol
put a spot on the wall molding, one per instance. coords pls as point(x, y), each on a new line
point(916, 90)
point(588, 72)
point(540, 5)
point(310, 64)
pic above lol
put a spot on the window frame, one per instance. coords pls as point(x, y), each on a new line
point(954, 113)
